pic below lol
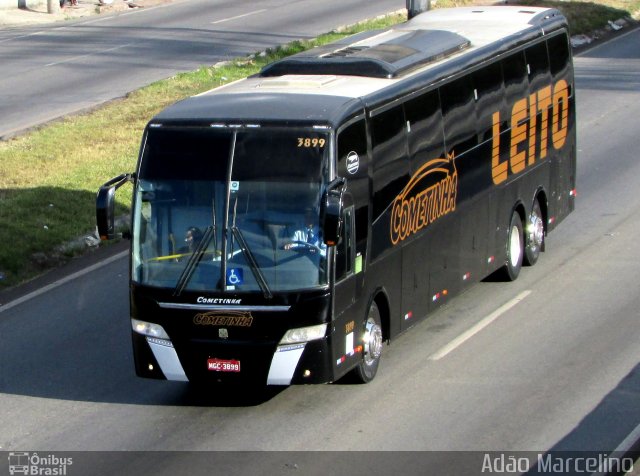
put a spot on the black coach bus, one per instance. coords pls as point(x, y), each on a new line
point(285, 226)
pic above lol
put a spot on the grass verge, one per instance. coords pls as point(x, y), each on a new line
point(49, 177)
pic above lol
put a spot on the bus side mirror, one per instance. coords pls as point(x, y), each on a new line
point(332, 207)
point(105, 203)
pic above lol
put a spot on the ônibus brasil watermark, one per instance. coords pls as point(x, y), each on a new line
point(38, 464)
point(569, 463)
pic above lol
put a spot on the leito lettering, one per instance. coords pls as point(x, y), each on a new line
point(531, 130)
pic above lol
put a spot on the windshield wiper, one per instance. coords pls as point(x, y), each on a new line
point(193, 262)
point(255, 269)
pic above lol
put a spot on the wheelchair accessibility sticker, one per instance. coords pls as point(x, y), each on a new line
point(234, 276)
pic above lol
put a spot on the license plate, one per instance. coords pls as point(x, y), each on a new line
point(220, 365)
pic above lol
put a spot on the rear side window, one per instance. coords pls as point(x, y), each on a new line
point(538, 66)
point(559, 55)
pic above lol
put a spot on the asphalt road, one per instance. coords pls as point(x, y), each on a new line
point(49, 71)
point(556, 369)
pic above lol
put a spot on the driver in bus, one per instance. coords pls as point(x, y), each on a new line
point(308, 237)
point(192, 238)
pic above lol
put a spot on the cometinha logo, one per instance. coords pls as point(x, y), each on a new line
point(22, 462)
point(430, 194)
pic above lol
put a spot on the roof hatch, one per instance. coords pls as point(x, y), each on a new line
point(386, 54)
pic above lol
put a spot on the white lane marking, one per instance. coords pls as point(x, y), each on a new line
point(4, 40)
point(60, 282)
point(238, 16)
point(69, 60)
point(465, 336)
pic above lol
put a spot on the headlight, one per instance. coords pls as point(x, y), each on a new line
point(304, 334)
point(149, 329)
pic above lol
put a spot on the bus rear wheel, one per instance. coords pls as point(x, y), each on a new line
point(534, 234)
point(372, 346)
point(515, 248)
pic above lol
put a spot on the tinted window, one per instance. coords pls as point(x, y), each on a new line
point(390, 164)
point(280, 156)
point(538, 63)
point(193, 154)
point(559, 56)
point(458, 109)
point(344, 250)
point(352, 139)
point(426, 140)
point(514, 70)
point(489, 98)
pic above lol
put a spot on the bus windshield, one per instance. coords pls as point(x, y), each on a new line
point(220, 209)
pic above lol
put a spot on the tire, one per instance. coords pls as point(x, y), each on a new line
point(368, 367)
point(534, 235)
point(515, 248)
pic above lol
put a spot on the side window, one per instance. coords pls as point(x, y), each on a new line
point(390, 164)
point(458, 110)
point(538, 66)
point(425, 139)
point(345, 249)
point(559, 56)
point(352, 138)
point(514, 70)
point(489, 98)
point(352, 143)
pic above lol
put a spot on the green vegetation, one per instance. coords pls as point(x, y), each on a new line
point(49, 177)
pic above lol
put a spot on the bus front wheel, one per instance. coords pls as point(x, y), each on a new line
point(372, 346)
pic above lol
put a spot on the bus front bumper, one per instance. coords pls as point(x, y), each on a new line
point(206, 361)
